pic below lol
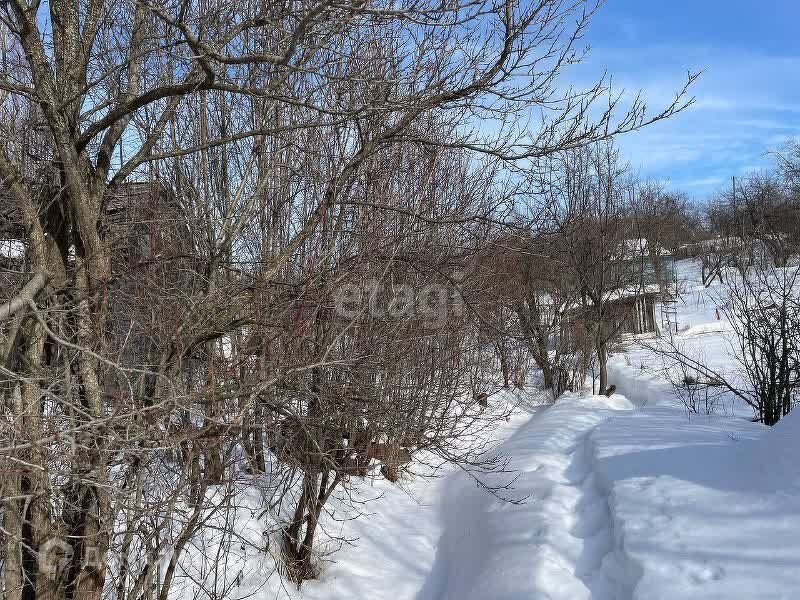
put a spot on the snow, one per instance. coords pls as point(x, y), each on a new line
point(390, 534)
point(701, 507)
point(636, 247)
point(11, 248)
point(707, 328)
point(620, 498)
point(704, 333)
point(549, 546)
point(394, 533)
point(639, 504)
point(393, 545)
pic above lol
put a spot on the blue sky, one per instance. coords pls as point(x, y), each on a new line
point(748, 99)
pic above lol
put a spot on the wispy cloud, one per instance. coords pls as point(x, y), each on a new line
point(738, 117)
point(747, 99)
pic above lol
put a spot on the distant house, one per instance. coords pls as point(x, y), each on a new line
point(641, 308)
point(638, 312)
point(151, 250)
point(143, 219)
point(146, 227)
point(640, 305)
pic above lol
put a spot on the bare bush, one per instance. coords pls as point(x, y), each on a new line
point(763, 309)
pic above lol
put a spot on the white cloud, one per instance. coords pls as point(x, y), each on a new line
point(746, 105)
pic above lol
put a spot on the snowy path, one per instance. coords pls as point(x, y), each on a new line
point(558, 544)
point(620, 504)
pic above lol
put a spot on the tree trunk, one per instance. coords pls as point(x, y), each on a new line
point(305, 570)
point(602, 360)
point(547, 374)
point(502, 354)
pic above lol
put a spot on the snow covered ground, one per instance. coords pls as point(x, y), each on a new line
point(621, 498)
point(558, 543)
point(619, 503)
point(704, 333)
point(699, 508)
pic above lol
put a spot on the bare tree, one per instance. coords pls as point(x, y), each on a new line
point(598, 248)
point(762, 308)
point(193, 181)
